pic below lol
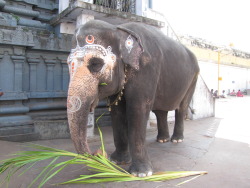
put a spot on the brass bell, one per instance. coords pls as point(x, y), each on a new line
point(116, 103)
point(109, 108)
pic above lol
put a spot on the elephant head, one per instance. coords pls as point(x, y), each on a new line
point(99, 55)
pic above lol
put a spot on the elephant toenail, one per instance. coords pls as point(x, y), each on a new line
point(141, 175)
point(113, 161)
point(134, 174)
point(161, 141)
point(174, 141)
point(180, 140)
point(150, 173)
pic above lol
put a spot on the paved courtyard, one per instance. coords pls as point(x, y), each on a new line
point(219, 145)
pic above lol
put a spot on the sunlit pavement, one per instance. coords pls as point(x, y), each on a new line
point(218, 145)
point(228, 158)
point(235, 114)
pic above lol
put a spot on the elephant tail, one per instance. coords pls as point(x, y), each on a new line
point(191, 109)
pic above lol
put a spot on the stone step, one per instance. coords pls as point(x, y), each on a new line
point(20, 137)
point(48, 115)
point(14, 130)
point(52, 129)
point(15, 120)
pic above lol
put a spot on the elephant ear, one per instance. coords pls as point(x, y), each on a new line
point(130, 47)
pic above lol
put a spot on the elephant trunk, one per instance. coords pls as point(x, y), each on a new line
point(82, 98)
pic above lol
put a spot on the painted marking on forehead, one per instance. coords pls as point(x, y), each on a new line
point(79, 55)
point(129, 43)
point(74, 104)
point(90, 39)
point(77, 33)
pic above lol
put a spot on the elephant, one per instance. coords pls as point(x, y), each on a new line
point(138, 69)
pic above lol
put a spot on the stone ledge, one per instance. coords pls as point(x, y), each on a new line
point(57, 129)
point(14, 95)
point(18, 95)
point(101, 13)
point(15, 120)
point(20, 137)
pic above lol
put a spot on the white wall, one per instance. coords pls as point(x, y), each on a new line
point(63, 4)
point(202, 102)
point(232, 77)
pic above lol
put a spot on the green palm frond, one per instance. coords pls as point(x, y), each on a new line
point(103, 169)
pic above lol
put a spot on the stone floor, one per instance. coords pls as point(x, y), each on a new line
point(219, 145)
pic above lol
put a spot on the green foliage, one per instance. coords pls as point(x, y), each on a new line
point(16, 17)
point(103, 169)
point(103, 84)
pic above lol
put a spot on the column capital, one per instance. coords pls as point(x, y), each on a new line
point(50, 61)
point(18, 58)
point(33, 60)
point(19, 50)
point(63, 61)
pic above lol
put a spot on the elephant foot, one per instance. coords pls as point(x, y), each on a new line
point(120, 158)
point(141, 169)
point(162, 139)
point(177, 139)
point(163, 136)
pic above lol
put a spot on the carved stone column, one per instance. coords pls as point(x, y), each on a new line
point(18, 78)
point(50, 73)
point(65, 73)
point(33, 73)
point(1, 57)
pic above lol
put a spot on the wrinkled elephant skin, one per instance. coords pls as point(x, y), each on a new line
point(138, 68)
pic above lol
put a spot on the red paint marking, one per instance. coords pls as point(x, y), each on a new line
point(90, 39)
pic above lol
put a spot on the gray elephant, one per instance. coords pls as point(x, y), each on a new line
point(139, 70)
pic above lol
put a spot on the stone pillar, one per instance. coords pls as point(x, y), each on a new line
point(18, 66)
point(82, 19)
point(65, 75)
point(50, 74)
point(91, 123)
point(33, 73)
point(7, 72)
point(68, 28)
point(1, 57)
point(141, 6)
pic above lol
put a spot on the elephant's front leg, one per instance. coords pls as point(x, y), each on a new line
point(120, 132)
point(137, 116)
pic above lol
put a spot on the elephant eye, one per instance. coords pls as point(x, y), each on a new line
point(95, 64)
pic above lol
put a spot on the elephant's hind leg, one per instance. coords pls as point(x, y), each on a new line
point(181, 112)
point(162, 125)
point(177, 136)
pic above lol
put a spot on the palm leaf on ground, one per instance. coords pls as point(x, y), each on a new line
point(103, 169)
